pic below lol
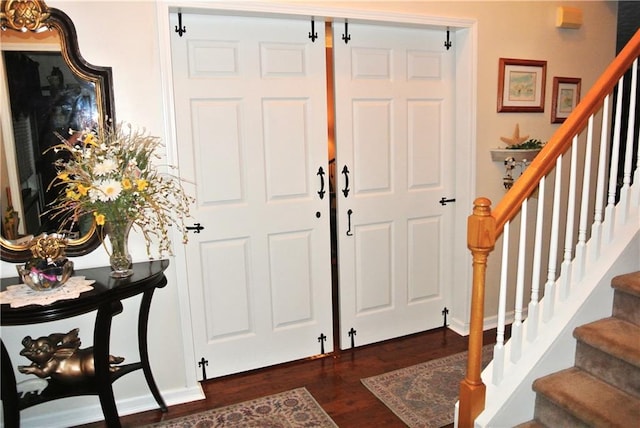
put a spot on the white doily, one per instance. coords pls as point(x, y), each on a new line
point(21, 295)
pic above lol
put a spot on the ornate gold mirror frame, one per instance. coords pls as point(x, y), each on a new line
point(36, 16)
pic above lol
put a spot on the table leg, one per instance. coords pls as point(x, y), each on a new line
point(101, 337)
point(143, 321)
point(9, 392)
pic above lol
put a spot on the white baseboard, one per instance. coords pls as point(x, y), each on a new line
point(69, 415)
point(459, 327)
point(488, 323)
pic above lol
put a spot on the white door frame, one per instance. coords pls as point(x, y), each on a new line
point(465, 36)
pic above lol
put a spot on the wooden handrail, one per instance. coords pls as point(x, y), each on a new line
point(484, 226)
point(560, 142)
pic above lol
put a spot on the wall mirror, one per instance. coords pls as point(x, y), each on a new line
point(48, 88)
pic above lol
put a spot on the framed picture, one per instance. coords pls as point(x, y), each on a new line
point(566, 95)
point(521, 84)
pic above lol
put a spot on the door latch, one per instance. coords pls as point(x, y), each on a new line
point(197, 227)
point(349, 232)
point(444, 200)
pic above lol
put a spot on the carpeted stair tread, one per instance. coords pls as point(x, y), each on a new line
point(589, 399)
point(531, 424)
point(613, 336)
point(629, 283)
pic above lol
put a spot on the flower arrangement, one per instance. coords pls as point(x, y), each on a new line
point(111, 176)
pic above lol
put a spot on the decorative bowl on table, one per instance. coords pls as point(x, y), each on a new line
point(43, 275)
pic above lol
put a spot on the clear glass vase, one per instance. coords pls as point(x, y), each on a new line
point(120, 259)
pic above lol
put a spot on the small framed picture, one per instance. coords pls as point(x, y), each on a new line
point(566, 95)
point(521, 84)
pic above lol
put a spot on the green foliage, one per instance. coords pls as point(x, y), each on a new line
point(530, 144)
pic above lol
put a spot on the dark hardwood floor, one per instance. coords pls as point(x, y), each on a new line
point(333, 380)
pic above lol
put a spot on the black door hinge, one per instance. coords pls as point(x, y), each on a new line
point(445, 312)
point(322, 338)
point(352, 335)
point(203, 363)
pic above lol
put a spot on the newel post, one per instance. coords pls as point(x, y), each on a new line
point(481, 232)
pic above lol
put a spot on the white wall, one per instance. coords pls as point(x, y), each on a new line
point(123, 35)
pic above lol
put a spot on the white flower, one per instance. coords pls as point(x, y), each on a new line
point(109, 190)
point(105, 167)
point(94, 194)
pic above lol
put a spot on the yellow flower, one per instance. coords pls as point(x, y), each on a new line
point(90, 139)
point(63, 176)
point(126, 184)
point(142, 185)
point(82, 189)
point(72, 195)
point(99, 218)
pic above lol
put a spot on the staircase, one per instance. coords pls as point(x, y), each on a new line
point(603, 387)
point(569, 223)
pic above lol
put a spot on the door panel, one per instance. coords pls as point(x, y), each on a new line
point(216, 135)
point(287, 169)
point(250, 102)
point(394, 133)
point(372, 146)
point(374, 255)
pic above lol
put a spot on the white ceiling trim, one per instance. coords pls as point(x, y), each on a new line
point(303, 10)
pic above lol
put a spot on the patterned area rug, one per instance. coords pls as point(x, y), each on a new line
point(424, 395)
point(290, 409)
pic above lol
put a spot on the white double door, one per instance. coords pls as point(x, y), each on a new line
point(251, 123)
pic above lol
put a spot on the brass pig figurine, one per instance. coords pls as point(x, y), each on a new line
point(60, 357)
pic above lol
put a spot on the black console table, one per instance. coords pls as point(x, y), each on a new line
point(106, 299)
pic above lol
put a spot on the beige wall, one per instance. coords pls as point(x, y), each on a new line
point(526, 30)
point(125, 36)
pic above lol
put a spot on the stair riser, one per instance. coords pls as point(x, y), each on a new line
point(551, 415)
point(608, 368)
point(627, 307)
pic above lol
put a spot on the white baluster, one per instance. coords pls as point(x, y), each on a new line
point(580, 259)
point(533, 312)
point(609, 219)
point(565, 284)
point(549, 287)
point(498, 350)
point(516, 327)
point(596, 227)
point(628, 156)
point(635, 192)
